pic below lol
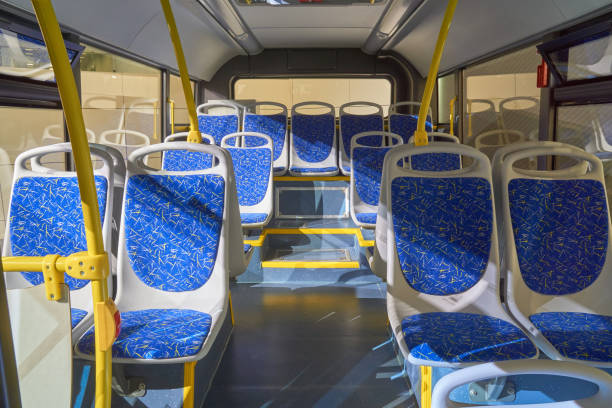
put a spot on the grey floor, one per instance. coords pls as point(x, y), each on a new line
point(309, 346)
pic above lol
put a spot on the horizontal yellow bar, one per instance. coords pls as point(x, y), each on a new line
point(312, 178)
point(311, 264)
point(27, 264)
point(310, 231)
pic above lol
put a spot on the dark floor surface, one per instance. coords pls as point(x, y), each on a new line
point(309, 346)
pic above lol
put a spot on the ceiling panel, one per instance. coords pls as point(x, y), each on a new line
point(311, 37)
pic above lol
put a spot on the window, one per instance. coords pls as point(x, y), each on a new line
point(335, 91)
point(178, 104)
point(121, 101)
point(502, 101)
point(23, 129)
point(446, 96)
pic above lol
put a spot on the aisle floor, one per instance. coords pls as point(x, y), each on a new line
point(309, 346)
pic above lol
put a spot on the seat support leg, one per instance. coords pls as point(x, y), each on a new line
point(127, 387)
point(492, 390)
point(401, 373)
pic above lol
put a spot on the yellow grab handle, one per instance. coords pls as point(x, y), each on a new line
point(194, 131)
point(451, 108)
point(80, 148)
point(420, 135)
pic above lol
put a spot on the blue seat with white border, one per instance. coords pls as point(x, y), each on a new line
point(173, 273)
point(179, 160)
point(218, 125)
point(313, 143)
point(274, 125)
point(253, 172)
point(405, 124)
point(366, 172)
point(354, 123)
point(556, 228)
point(436, 161)
point(45, 217)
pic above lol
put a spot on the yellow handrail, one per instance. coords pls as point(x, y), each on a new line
point(91, 215)
point(171, 102)
point(420, 135)
point(451, 108)
point(194, 131)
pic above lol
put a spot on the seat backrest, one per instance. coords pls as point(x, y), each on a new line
point(520, 113)
point(253, 170)
point(441, 234)
point(176, 232)
point(218, 125)
point(273, 125)
point(45, 215)
point(488, 142)
point(405, 124)
point(366, 169)
point(126, 141)
point(438, 161)
point(313, 136)
point(351, 124)
point(481, 117)
point(556, 228)
point(179, 160)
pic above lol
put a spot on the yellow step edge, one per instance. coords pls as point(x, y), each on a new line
point(310, 231)
point(312, 178)
point(311, 264)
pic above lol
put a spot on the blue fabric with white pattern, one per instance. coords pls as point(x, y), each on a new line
point(366, 218)
point(253, 218)
point(560, 232)
point(313, 136)
point(76, 315)
point(155, 334)
point(247, 248)
point(313, 169)
point(252, 170)
point(436, 162)
point(172, 228)
point(464, 338)
point(581, 336)
point(350, 125)
point(368, 164)
point(218, 125)
point(443, 230)
point(183, 160)
point(405, 125)
point(46, 218)
point(274, 126)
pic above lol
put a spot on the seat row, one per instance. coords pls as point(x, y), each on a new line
point(453, 303)
point(311, 146)
point(179, 242)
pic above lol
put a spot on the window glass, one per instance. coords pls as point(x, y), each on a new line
point(23, 129)
point(121, 101)
point(446, 94)
point(502, 101)
point(590, 128)
point(177, 98)
point(335, 91)
point(588, 58)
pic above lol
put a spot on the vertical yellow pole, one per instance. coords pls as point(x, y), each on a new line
point(188, 384)
point(80, 148)
point(452, 115)
point(420, 135)
point(425, 387)
point(194, 131)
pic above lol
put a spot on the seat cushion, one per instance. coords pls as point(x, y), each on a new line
point(253, 218)
point(581, 336)
point(464, 338)
point(76, 315)
point(156, 334)
point(313, 169)
point(366, 218)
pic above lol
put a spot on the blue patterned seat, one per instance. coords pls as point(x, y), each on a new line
point(218, 126)
point(366, 218)
point(405, 125)
point(444, 306)
point(560, 228)
point(180, 160)
point(76, 315)
point(313, 142)
point(253, 218)
point(350, 125)
point(173, 233)
point(273, 125)
point(156, 334)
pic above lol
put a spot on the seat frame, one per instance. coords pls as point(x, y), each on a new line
point(202, 110)
point(345, 157)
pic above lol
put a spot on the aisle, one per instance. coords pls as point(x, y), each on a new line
point(309, 346)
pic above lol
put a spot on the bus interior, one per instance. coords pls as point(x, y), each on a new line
point(305, 203)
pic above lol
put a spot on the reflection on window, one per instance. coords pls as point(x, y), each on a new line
point(335, 91)
point(447, 100)
point(590, 128)
point(121, 101)
point(502, 101)
point(23, 129)
point(178, 107)
point(25, 56)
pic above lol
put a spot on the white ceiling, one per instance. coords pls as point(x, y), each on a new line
point(312, 26)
